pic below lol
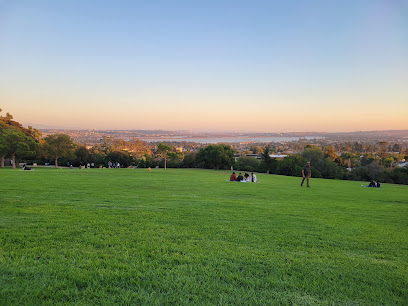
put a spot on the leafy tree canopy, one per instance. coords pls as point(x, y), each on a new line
point(216, 157)
point(14, 143)
point(58, 146)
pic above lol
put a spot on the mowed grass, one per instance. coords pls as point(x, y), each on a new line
point(125, 236)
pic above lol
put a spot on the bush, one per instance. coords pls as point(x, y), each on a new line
point(189, 161)
point(399, 176)
point(291, 165)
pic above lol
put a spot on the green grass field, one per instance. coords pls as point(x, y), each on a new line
point(125, 236)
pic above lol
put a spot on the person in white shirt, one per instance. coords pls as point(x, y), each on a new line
point(253, 178)
point(247, 178)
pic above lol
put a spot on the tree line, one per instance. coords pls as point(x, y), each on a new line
point(26, 144)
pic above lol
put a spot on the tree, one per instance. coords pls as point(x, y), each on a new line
point(83, 156)
point(215, 157)
point(122, 157)
point(388, 161)
point(383, 149)
point(32, 132)
point(7, 122)
point(138, 148)
point(189, 160)
point(175, 158)
point(314, 155)
point(247, 163)
point(331, 170)
point(256, 149)
point(16, 144)
point(292, 165)
point(266, 159)
point(3, 147)
point(375, 171)
point(58, 146)
point(367, 159)
point(399, 176)
point(163, 150)
point(330, 152)
point(268, 164)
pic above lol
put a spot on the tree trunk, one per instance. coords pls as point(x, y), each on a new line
point(2, 161)
point(165, 163)
point(13, 159)
point(56, 162)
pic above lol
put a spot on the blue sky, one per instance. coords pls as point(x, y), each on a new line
point(206, 65)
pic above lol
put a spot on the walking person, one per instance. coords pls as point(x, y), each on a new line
point(306, 173)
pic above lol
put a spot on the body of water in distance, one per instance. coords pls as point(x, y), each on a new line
point(231, 139)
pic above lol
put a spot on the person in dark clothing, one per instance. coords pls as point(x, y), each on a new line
point(306, 173)
point(240, 177)
point(25, 168)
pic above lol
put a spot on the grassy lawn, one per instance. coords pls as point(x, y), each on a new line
point(125, 236)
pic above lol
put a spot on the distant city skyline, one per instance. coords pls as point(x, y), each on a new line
point(259, 66)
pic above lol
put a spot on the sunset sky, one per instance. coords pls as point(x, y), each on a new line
point(264, 66)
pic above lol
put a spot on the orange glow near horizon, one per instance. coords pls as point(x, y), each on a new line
point(276, 119)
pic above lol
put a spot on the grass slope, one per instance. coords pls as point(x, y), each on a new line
point(108, 236)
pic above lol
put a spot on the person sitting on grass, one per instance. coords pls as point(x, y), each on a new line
point(25, 168)
point(374, 183)
point(240, 177)
point(233, 177)
point(253, 178)
point(246, 178)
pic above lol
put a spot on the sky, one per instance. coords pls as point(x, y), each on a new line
point(256, 66)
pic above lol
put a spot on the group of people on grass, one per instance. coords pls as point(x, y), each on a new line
point(373, 183)
point(306, 174)
point(244, 179)
point(113, 165)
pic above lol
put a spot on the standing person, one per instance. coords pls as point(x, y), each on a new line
point(233, 177)
point(306, 173)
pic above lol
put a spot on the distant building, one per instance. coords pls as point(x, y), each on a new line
point(403, 164)
point(253, 155)
point(278, 156)
point(259, 156)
